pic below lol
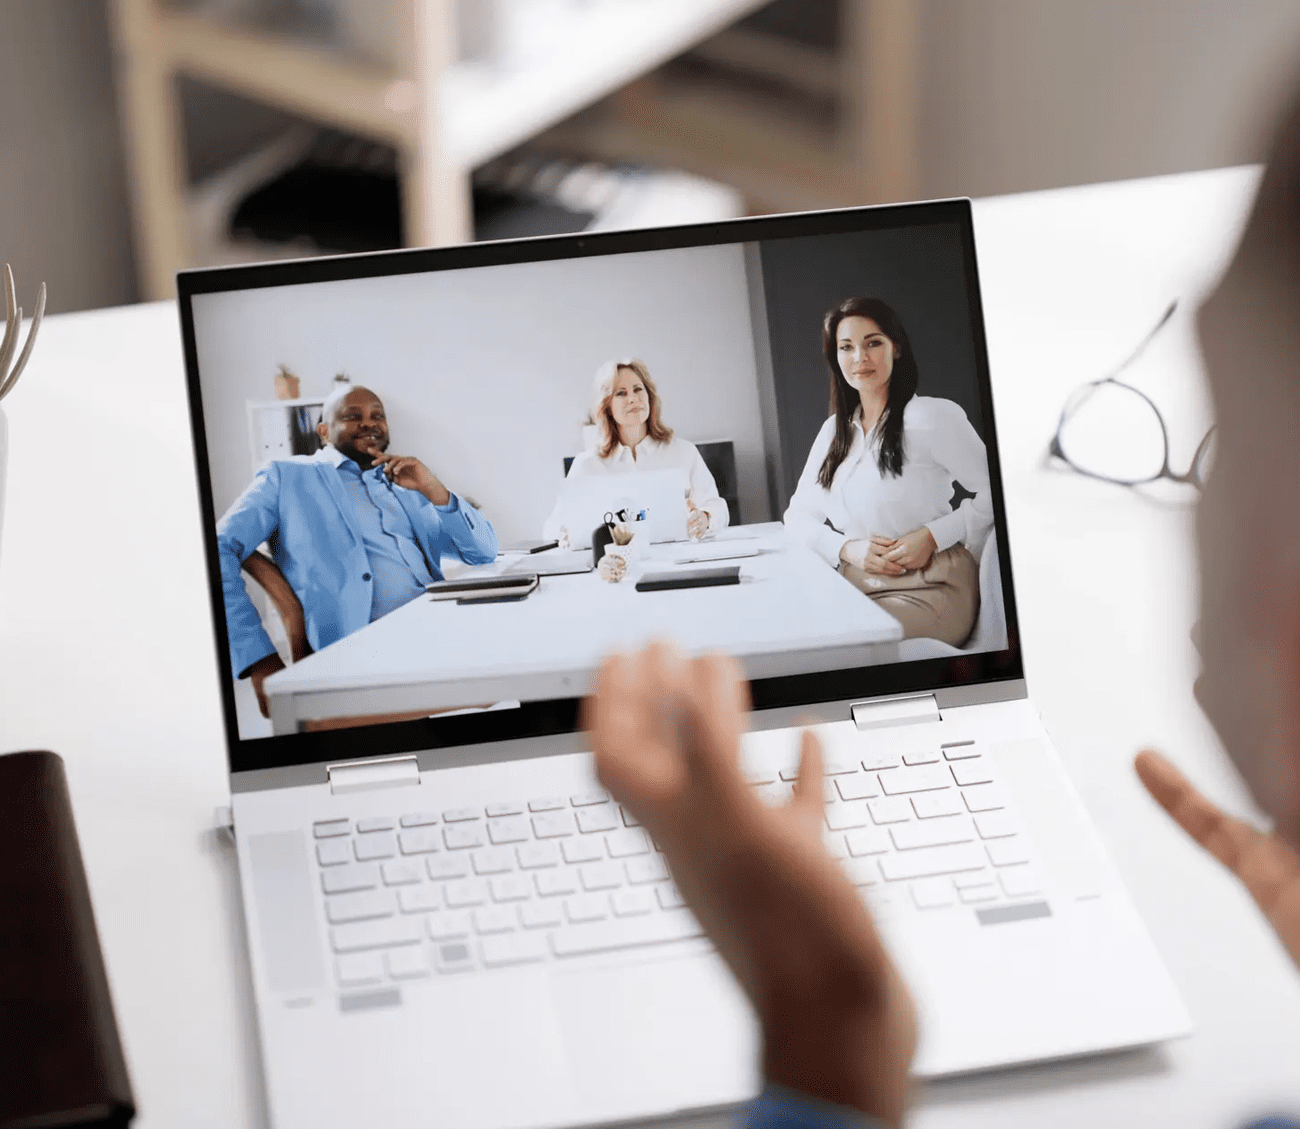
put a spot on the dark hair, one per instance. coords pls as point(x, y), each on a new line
point(844, 397)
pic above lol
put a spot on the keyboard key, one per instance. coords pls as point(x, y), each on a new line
point(587, 907)
point(835, 846)
point(625, 932)
point(984, 797)
point(973, 895)
point(922, 756)
point(842, 817)
point(641, 871)
point(932, 893)
point(602, 876)
point(868, 841)
point(547, 803)
point(968, 881)
point(462, 836)
point(873, 762)
point(588, 799)
point(468, 892)
point(553, 824)
point(334, 852)
point(774, 795)
point(511, 888)
point(931, 805)
point(922, 778)
point(329, 828)
point(598, 819)
point(359, 907)
point(407, 964)
point(760, 776)
point(1008, 852)
point(353, 876)
point(960, 750)
point(1019, 881)
point(862, 872)
point(552, 882)
point(974, 771)
point(860, 786)
point(402, 872)
point(375, 934)
point(583, 850)
point(448, 926)
point(378, 845)
point(460, 815)
point(494, 919)
point(929, 862)
point(625, 844)
point(418, 819)
point(533, 856)
point(890, 809)
point(360, 968)
point(997, 825)
point(495, 860)
point(629, 820)
point(517, 948)
point(512, 829)
point(376, 823)
point(933, 832)
point(511, 808)
point(630, 903)
point(448, 866)
point(419, 899)
point(541, 915)
point(668, 896)
point(454, 956)
point(419, 841)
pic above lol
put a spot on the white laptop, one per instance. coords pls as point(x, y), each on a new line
point(449, 923)
point(657, 497)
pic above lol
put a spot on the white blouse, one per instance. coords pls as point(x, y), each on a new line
point(939, 445)
point(651, 454)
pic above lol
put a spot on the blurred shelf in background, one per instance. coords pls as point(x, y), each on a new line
point(758, 105)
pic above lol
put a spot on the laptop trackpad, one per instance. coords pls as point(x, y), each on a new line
point(657, 1036)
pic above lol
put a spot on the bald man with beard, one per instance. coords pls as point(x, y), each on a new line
point(356, 531)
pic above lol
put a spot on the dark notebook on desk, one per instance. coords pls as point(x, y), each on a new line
point(62, 1064)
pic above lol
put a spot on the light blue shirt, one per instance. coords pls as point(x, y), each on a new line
point(303, 510)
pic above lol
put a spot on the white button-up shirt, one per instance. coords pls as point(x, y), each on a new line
point(939, 446)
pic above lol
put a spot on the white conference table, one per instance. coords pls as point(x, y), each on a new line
point(105, 656)
point(789, 614)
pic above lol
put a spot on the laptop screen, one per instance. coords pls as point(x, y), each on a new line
point(770, 437)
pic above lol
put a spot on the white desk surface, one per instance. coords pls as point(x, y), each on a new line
point(789, 614)
point(105, 656)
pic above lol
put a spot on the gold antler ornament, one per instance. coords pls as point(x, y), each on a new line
point(13, 320)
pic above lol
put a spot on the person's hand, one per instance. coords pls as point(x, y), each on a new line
point(837, 1021)
point(259, 672)
point(872, 556)
point(913, 550)
point(408, 471)
point(1267, 866)
point(697, 521)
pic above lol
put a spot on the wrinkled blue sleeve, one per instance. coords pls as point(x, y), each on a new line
point(462, 529)
point(252, 518)
point(779, 1108)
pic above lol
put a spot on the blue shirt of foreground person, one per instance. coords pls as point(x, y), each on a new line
point(356, 531)
point(838, 1026)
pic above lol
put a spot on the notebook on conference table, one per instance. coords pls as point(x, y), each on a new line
point(447, 918)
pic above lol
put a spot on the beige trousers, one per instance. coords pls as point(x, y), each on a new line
point(938, 602)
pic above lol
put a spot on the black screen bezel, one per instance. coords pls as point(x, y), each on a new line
point(561, 716)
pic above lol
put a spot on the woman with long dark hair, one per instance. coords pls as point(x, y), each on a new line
point(875, 497)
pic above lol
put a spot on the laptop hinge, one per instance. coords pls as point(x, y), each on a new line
point(912, 709)
point(380, 772)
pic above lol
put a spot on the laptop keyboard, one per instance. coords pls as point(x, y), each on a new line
point(511, 882)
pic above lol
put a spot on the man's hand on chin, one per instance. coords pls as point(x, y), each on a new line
point(408, 471)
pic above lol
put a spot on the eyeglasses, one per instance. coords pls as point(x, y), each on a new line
point(1114, 432)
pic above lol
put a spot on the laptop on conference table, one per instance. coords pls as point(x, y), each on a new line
point(448, 921)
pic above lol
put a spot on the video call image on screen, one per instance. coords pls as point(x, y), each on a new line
point(772, 449)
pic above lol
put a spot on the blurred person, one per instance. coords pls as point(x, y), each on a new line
point(355, 531)
point(875, 496)
point(838, 1026)
point(632, 436)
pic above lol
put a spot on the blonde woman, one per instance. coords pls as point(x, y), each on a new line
point(632, 436)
